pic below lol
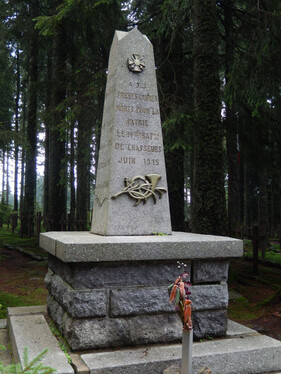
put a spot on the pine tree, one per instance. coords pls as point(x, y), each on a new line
point(208, 207)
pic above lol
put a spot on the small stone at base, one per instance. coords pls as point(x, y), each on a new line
point(173, 369)
point(205, 370)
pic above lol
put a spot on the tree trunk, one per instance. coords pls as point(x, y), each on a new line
point(23, 152)
point(262, 209)
point(31, 131)
point(57, 166)
point(72, 179)
point(7, 179)
point(175, 177)
point(83, 172)
point(231, 128)
point(16, 134)
point(3, 177)
point(208, 207)
point(47, 133)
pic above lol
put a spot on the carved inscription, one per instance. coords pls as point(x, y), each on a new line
point(140, 140)
point(137, 122)
point(137, 135)
point(135, 96)
point(137, 109)
point(127, 160)
point(137, 147)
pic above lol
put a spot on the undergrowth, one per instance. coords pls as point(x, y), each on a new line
point(32, 367)
point(8, 300)
point(61, 340)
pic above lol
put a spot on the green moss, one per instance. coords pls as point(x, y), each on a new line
point(9, 300)
point(241, 310)
point(273, 299)
point(27, 244)
point(61, 340)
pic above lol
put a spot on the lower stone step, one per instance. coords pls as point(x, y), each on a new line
point(243, 352)
point(28, 328)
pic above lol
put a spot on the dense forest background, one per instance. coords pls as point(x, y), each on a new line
point(219, 78)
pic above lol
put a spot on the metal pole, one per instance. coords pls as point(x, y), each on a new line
point(186, 361)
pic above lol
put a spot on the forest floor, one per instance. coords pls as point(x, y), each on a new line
point(257, 303)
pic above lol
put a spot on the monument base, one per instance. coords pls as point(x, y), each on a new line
point(112, 291)
point(243, 351)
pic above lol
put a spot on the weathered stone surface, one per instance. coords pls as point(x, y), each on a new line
point(3, 323)
point(120, 332)
point(79, 304)
point(140, 300)
point(236, 329)
point(209, 271)
point(108, 275)
point(173, 369)
point(56, 312)
point(145, 300)
point(115, 332)
point(205, 370)
point(87, 247)
point(209, 297)
point(32, 331)
point(252, 354)
point(209, 323)
point(23, 310)
point(131, 145)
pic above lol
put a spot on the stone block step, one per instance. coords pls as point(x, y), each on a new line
point(28, 328)
point(243, 351)
point(251, 353)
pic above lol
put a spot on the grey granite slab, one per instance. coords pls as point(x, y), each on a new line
point(86, 247)
point(209, 272)
point(78, 304)
point(104, 275)
point(33, 332)
point(144, 300)
point(3, 323)
point(131, 148)
point(235, 329)
point(248, 355)
point(27, 310)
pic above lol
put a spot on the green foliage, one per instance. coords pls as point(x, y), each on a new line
point(5, 212)
point(241, 309)
point(14, 240)
point(32, 367)
point(61, 340)
point(272, 253)
point(11, 300)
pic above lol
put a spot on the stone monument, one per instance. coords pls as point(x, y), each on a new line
point(108, 287)
point(131, 191)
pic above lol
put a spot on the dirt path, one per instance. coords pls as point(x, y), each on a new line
point(22, 277)
point(256, 310)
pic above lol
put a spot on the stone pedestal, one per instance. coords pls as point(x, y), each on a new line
point(112, 291)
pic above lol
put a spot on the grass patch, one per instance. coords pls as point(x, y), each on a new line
point(10, 300)
point(272, 253)
point(241, 310)
point(27, 244)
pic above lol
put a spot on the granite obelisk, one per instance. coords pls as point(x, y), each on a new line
point(131, 196)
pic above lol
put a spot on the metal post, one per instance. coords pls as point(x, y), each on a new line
point(186, 361)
